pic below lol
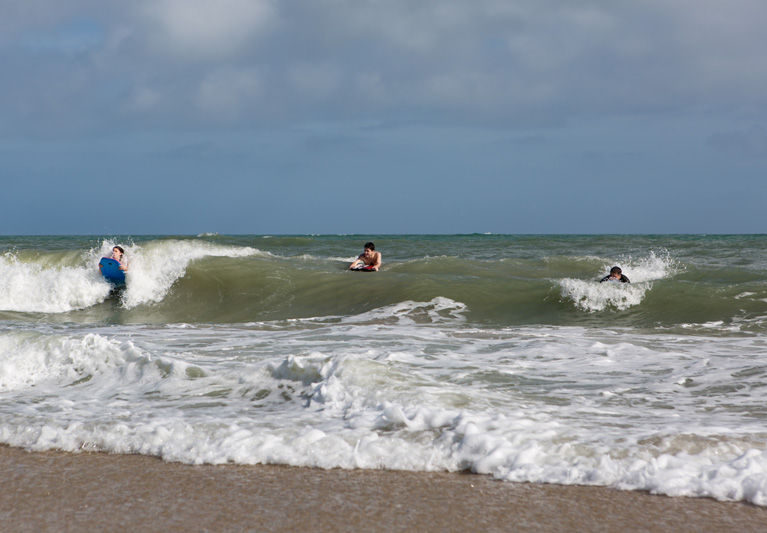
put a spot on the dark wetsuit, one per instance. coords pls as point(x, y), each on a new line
point(623, 279)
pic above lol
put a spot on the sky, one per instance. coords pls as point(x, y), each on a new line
point(382, 116)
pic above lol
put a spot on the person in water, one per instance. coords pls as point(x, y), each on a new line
point(117, 254)
point(368, 259)
point(615, 275)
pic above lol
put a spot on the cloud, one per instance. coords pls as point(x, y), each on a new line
point(315, 81)
point(200, 29)
point(527, 62)
point(144, 99)
point(225, 94)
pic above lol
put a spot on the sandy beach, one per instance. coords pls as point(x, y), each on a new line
point(54, 491)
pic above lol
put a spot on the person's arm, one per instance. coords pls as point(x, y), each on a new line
point(356, 262)
point(377, 264)
point(624, 279)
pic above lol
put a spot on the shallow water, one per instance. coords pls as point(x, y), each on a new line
point(496, 354)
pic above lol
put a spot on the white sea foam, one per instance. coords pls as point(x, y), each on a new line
point(155, 267)
point(45, 286)
point(593, 296)
point(716, 326)
point(437, 310)
point(310, 258)
point(30, 359)
point(669, 405)
point(41, 288)
point(409, 386)
point(590, 295)
point(744, 295)
point(652, 267)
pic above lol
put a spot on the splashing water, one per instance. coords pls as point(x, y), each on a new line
point(590, 295)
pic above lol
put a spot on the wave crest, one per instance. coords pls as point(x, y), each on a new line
point(591, 296)
point(56, 283)
point(156, 266)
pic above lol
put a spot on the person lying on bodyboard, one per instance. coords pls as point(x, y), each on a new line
point(369, 260)
point(615, 275)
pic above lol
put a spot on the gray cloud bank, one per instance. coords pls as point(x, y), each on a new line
point(91, 66)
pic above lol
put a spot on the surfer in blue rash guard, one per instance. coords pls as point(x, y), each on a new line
point(616, 274)
point(117, 254)
point(369, 259)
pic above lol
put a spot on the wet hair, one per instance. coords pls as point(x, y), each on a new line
point(370, 246)
point(616, 270)
point(119, 248)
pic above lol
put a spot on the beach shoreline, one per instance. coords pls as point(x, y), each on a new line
point(58, 491)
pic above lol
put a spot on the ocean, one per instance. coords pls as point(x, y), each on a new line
point(495, 354)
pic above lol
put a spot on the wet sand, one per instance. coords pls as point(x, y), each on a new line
point(54, 491)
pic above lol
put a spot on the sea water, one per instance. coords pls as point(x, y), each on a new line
point(496, 354)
